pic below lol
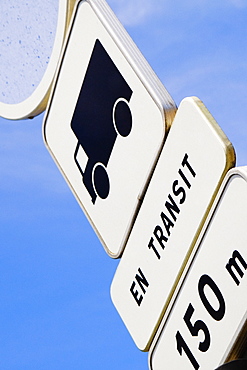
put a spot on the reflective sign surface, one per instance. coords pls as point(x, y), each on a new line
point(194, 160)
point(207, 325)
point(106, 123)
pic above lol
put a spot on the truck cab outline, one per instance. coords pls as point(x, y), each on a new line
point(102, 113)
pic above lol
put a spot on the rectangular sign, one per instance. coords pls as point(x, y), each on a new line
point(191, 167)
point(107, 107)
point(207, 324)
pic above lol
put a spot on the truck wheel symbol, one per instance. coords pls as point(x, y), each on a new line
point(100, 180)
point(122, 117)
point(102, 113)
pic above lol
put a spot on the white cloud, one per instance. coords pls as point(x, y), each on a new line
point(132, 13)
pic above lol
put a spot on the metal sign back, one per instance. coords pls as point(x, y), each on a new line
point(32, 37)
point(106, 122)
point(191, 167)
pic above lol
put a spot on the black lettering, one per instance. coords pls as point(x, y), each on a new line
point(181, 345)
point(186, 163)
point(172, 207)
point(184, 178)
point(135, 294)
point(158, 233)
point(167, 223)
point(216, 314)
point(151, 246)
point(179, 191)
point(141, 280)
point(169, 215)
point(233, 263)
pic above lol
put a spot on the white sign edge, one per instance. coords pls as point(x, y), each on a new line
point(151, 82)
point(230, 163)
point(236, 171)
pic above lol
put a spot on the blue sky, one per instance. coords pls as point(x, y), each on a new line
point(55, 308)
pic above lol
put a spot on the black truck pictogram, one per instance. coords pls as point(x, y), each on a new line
point(102, 112)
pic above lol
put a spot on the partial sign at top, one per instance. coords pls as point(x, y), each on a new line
point(32, 35)
point(106, 122)
point(191, 167)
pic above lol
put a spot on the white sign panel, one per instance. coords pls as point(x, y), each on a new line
point(32, 36)
point(106, 122)
point(202, 330)
point(192, 164)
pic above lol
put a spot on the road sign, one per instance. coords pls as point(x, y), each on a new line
point(192, 164)
point(207, 325)
point(32, 35)
point(106, 122)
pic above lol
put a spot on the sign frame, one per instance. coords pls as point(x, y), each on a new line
point(191, 167)
point(149, 83)
point(234, 266)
